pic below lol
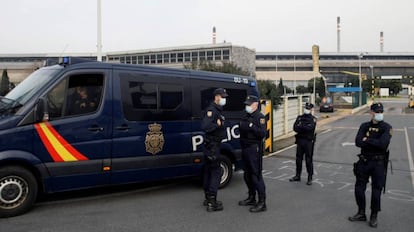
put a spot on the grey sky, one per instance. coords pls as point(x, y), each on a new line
point(52, 26)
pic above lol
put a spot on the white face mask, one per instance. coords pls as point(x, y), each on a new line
point(378, 117)
point(306, 111)
point(249, 109)
point(222, 101)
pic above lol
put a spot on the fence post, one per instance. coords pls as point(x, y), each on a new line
point(285, 113)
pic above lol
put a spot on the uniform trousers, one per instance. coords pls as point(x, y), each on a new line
point(363, 170)
point(253, 165)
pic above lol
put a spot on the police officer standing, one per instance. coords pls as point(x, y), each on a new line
point(304, 126)
point(213, 126)
point(373, 138)
point(252, 132)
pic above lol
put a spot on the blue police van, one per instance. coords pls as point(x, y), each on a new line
point(82, 124)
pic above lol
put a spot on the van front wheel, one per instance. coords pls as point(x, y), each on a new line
point(18, 191)
point(226, 168)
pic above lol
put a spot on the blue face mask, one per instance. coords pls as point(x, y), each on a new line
point(378, 117)
point(222, 101)
point(249, 109)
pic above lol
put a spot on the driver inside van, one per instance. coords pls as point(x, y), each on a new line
point(81, 102)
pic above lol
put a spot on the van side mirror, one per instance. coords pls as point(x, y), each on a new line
point(41, 110)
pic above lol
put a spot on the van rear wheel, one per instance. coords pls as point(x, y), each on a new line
point(226, 169)
point(18, 191)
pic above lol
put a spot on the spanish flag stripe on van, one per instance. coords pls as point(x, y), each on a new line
point(59, 149)
point(55, 156)
point(67, 145)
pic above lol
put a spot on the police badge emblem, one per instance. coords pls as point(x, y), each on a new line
point(154, 141)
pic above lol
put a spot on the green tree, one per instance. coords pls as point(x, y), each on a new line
point(320, 86)
point(281, 87)
point(226, 67)
point(4, 83)
point(301, 89)
point(268, 90)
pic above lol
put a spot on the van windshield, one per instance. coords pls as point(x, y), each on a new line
point(24, 91)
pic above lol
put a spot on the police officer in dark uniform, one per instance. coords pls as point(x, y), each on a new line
point(252, 132)
point(373, 138)
point(213, 126)
point(304, 126)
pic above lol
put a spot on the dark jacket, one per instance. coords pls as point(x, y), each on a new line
point(378, 138)
point(305, 126)
point(213, 132)
point(252, 128)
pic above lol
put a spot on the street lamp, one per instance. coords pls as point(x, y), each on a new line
point(372, 83)
point(360, 78)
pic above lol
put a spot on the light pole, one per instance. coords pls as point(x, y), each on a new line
point(360, 79)
point(99, 30)
point(372, 83)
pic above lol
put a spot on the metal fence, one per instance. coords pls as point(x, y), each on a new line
point(285, 115)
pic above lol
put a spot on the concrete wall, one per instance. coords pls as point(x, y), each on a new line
point(244, 58)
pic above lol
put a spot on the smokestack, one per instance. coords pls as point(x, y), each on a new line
point(315, 58)
point(338, 31)
point(214, 35)
point(381, 41)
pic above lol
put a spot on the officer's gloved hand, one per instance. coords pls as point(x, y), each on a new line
point(211, 157)
point(244, 125)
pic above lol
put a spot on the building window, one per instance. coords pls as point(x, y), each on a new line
point(217, 54)
point(202, 55)
point(209, 55)
point(140, 60)
point(194, 56)
point(133, 59)
point(187, 57)
point(153, 61)
point(159, 58)
point(166, 58)
point(146, 59)
point(173, 57)
point(180, 57)
point(226, 54)
point(122, 60)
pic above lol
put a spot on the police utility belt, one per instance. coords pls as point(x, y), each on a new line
point(373, 157)
point(250, 142)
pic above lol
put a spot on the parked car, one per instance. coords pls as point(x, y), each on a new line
point(326, 105)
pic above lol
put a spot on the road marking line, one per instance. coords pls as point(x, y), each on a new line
point(410, 158)
point(277, 152)
point(348, 144)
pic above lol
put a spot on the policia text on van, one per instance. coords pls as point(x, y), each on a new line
point(83, 124)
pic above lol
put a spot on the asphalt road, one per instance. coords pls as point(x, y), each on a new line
point(177, 205)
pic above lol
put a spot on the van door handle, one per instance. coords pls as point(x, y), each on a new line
point(95, 128)
point(123, 127)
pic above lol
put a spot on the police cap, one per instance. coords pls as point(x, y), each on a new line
point(250, 99)
point(377, 107)
point(220, 91)
point(308, 105)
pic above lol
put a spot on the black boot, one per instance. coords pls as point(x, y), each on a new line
point(360, 216)
point(260, 206)
point(251, 200)
point(309, 180)
point(206, 201)
point(213, 204)
point(295, 178)
point(373, 222)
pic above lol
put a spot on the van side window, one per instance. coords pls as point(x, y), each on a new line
point(148, 101)
point(75, 95)
point(171, 96)
point(143, 95)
